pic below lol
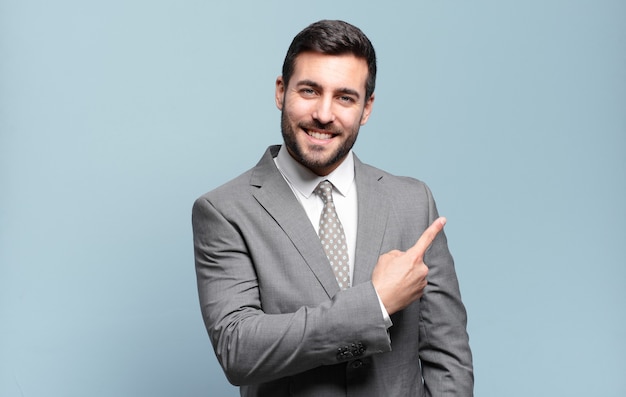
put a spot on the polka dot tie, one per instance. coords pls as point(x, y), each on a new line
point(332, 236)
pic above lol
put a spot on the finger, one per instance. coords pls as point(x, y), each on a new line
point(427, 238)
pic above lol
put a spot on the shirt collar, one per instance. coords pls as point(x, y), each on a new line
point(305, 181)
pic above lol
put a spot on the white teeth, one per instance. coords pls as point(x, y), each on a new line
point(318, 135)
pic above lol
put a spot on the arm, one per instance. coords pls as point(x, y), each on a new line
point(426, 271)
point(253, 346)
point(444, 346)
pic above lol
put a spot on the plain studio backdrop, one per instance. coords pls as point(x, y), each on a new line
point(116, 115)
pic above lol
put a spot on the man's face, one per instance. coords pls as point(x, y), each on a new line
point(323, 106)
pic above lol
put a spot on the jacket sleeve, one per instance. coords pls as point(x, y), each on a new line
point(253, 346)
point(444, 344)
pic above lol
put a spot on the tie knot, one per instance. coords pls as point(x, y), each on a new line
point(325, 191)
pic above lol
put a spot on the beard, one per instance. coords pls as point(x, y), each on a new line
point(314, 158)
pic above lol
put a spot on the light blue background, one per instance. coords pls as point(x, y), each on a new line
point(115, 116)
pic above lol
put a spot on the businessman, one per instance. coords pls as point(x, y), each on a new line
point(319, 275)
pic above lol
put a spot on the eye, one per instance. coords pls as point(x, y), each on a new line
point(346, 99)
point(307, 91)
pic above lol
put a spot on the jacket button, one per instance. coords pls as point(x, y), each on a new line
point(356, 364)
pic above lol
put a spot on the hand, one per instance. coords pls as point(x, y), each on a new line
point(400, 277)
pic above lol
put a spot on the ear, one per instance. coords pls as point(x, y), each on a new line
point(280, 92)
point(367, 110)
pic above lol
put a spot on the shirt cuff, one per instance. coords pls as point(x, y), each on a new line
point(386, 318)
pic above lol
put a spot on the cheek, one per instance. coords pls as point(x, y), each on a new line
point(350, 120)
point(297, 110)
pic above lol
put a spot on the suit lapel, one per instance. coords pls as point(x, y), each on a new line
point(372, 220)
point(275, 196)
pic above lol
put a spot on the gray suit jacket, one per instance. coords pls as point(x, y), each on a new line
point(278, 322)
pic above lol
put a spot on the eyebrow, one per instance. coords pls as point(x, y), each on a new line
point(344, 90)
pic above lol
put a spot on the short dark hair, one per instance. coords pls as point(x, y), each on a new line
point(333, 38)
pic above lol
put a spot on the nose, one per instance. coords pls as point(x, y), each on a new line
point(323, 111)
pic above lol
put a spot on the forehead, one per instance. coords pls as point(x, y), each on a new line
point(331, 71)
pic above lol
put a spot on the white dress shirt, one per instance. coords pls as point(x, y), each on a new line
point(303, 182)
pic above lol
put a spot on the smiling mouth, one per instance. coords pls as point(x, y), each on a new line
point(319, 135)
point(319, 132)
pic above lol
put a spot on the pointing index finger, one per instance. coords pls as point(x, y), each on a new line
point(427, 238)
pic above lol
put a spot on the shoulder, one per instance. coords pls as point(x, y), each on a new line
point(401, 185)
point(236, 187)
point(243, 185)
point(214, 207)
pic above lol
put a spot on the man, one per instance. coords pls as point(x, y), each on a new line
point(370, 306)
